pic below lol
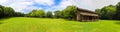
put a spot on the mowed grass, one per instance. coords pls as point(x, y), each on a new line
point(24, 24)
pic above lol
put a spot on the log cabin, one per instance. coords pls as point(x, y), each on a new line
point(86, 15)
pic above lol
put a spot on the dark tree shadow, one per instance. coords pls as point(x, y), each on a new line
point(68, 19)
point(79, 21)
point(1, 22)
point(118, 23)
point(2, 19)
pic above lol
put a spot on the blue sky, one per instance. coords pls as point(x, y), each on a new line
point(26, 6)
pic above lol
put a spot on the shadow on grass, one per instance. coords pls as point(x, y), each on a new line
point(5, 18)
point(70, 19)
point(1, 22)
point(118, 23)
point(2, 19)
point(81, 21)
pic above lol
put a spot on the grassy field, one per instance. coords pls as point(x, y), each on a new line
point(24, 24)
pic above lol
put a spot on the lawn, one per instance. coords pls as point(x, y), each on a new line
point(24, 24)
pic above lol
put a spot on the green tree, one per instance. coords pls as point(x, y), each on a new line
point(57, 14)
point(1, 11)
point(49, 14)
point(18, 14)
point(70, 12)
point(117, 15)
point(36, 13)
point(106, 12)
point(33, 13)
point(40, 13)
point(8, 11)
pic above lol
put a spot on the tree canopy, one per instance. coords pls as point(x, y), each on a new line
point(8, 12)
point(117, 15)
point(106, 12)
point(49, 14)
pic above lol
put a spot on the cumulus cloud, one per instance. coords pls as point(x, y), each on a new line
point(24, 6)
point(20, 6)
point(45, 2)
point(93, 4)
point(2, 1)
point(62, 5)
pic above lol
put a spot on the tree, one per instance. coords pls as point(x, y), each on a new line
point(98, 12)
point(70, 12)
point(8, 11)
point(49, 14)
point(117, 15)
point(36, 13)
point(1, 11)
point(106, 12)
point(18, 14)
point(57, 14)
point(40, 13)
point(33, 13)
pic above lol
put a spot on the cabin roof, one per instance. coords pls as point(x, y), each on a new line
point(87, 12)
point(80, 9)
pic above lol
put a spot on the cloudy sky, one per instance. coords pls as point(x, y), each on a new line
point(26, 6)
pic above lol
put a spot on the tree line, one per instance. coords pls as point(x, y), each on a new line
point(9, 12)
point(68, 13)
point(109, 12)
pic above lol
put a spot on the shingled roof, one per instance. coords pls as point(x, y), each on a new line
point(90, 13)
point(80, 9)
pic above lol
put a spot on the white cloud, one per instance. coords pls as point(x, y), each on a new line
point(93, 4)
point(2, 1)
point(23, 5)
point(20, 5)
point(45, 2)
point(63, 4)
point(101, 3)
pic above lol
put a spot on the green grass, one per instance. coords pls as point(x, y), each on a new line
point(24, 24)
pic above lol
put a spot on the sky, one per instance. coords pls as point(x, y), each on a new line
point(26, 6)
